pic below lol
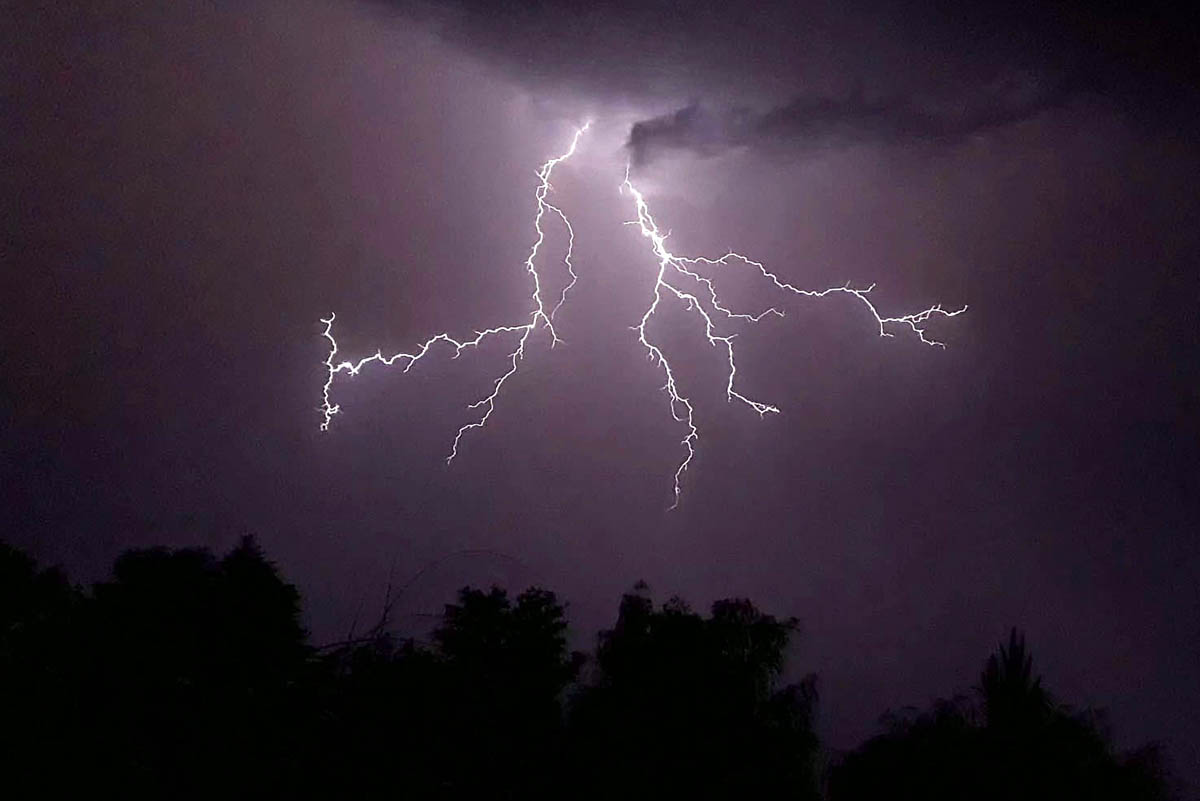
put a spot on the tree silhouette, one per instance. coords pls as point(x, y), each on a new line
point(195, 658)
point(478, 713)
point(507, 665)
point(688, 706)
point(178, 678)
point(1011, 694)
point(1016, 744)
point(187, 676)
point(40, 676)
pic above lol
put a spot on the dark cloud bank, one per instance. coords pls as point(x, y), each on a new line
point(817, 123)
point(807, 76)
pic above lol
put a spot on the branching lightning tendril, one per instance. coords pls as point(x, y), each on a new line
point(538, 317)
point(675, 274)
point(671, 266)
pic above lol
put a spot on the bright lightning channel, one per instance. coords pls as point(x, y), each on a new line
point(672, 268)
point(539, 317)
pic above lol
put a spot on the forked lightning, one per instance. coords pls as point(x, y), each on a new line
point(672, 268)
point(538, 316)
point(675, 275)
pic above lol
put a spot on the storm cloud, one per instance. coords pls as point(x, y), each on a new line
point(833, 71)
point(808, 123)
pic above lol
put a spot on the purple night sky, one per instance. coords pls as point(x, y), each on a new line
point(192, 186)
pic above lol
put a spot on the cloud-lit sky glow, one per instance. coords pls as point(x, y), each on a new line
point(193, 188)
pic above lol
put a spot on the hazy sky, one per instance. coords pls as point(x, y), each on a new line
point(190, 188)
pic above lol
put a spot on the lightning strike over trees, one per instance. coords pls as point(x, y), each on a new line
point(681, 277)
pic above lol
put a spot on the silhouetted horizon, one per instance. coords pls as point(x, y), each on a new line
point(186, 674)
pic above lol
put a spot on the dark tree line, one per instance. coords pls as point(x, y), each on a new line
point(189, 676)
point(1011, 741)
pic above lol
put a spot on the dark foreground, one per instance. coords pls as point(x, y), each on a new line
point(189, 676)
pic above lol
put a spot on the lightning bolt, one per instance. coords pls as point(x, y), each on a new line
point(680, 277)
point(673, 268)
point(538, 317)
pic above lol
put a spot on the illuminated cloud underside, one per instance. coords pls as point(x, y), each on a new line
point(674, 273)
